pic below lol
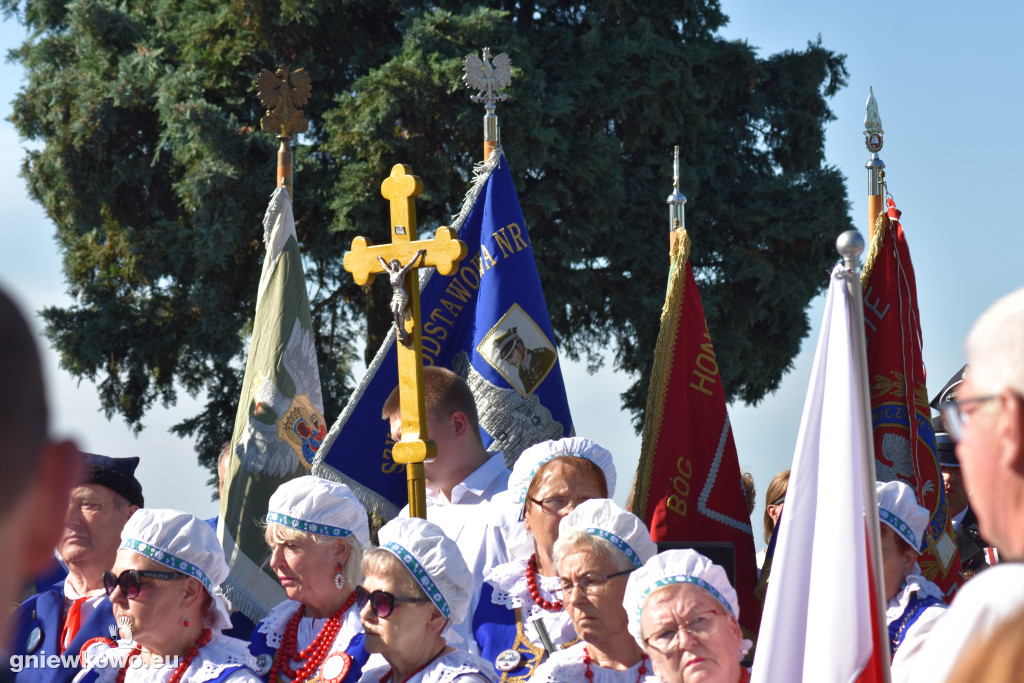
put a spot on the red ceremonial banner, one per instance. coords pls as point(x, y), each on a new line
point(688, 485)
point(904, 440)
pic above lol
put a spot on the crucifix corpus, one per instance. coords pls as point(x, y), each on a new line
point(401, 260)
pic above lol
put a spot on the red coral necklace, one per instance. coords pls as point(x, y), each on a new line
point(313, 656)
point(531, 584)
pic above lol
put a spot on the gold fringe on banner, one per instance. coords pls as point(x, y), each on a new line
point(661, 370)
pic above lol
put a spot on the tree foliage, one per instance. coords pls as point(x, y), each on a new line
point(156, 176)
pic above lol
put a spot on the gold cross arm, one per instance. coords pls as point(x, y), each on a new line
point(443, 252)
point(401, 259)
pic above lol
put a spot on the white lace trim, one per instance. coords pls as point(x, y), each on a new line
point(274, 624)
point(512, 591)
point(567, 666)
point(445, 669)
point(219, 654)
point(914, 583)
point(213, 658)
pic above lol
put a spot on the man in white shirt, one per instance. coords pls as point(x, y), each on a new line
point(463, 477)
point(987, 421)
point(464, 472)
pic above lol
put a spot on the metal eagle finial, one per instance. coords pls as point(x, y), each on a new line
point(488, 77)
point(283, 94)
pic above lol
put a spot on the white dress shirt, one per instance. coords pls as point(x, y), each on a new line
point(468, 520)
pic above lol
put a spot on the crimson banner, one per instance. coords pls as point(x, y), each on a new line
point(900, 415)
point(688, 485)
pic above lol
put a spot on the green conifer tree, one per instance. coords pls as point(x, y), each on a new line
point(153, 169)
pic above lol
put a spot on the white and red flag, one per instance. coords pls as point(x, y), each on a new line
point(823, 616)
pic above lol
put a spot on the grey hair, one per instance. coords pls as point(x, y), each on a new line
point(383, 562)
point(995, 346)
point(597, 546)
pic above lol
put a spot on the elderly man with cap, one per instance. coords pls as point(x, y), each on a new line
point(684, 613)
point(913, 602)
point(987, 422)
point(66, 615)
point(416, 587)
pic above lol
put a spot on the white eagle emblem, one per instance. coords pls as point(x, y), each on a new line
point(488, 77)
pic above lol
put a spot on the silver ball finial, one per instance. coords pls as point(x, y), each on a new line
point(850, 246)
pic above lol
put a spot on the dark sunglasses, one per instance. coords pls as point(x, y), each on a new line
point(382, 602)
point(130, 581)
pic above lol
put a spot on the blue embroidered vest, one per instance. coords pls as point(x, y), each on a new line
point(915, 608)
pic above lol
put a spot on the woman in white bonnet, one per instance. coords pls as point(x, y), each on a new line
point(163, 587)
point(316, 530)
point(416, 587)
point(520, 619)
point(913, 603)
point(683, 611)
point(599, 544)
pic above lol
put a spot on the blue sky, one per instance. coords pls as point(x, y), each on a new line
point(947, 83)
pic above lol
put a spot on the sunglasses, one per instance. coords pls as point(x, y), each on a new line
point(382, 602)
point(130, 581)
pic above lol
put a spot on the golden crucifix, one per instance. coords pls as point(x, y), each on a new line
point(400, 260)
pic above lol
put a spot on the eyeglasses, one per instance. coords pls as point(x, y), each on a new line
point(956, 418)
point(700, 627)
point(558, 506)
point(382, 602)
point(130, 581)
point(591, 583)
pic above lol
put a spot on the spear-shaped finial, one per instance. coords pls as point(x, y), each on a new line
point(873, 139)
point(488, 77)
point(873, 125)
point(677, 200)
point(283, 93)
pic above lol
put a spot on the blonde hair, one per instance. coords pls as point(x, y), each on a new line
point(352, 571)
point(776, 489)
point(444, 393)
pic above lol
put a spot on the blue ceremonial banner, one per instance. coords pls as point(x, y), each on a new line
point(489, 323)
